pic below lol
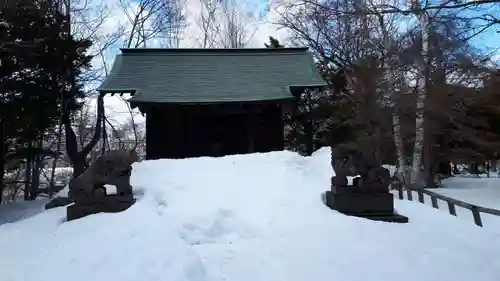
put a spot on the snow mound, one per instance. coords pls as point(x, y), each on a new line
point(244, 218)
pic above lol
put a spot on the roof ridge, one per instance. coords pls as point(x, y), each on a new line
point(213, 51)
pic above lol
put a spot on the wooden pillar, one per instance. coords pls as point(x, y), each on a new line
point(178, 133)
point(250, 120)
point(281, 127)
point(150, 146)
point(274, 127)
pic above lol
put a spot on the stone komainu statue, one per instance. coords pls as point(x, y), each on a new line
point(342, 157)
point(368, 196)
point(113, 168)
point(373, 177)
point(88, 191)
point(351, 160)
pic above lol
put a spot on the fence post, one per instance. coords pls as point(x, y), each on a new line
point(409, 195)
point(477, 216)
point(452, 209)
point(434, 202)
point(399, 186)
point(420, 195)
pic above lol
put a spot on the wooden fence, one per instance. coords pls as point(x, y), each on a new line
point(452, 203)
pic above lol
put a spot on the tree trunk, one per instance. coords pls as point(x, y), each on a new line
point(27, 175)
point(3, 150)
point(416, 175)
point(444, 168)
point(35, 178)
point(309, 135)
point(308, 126)
point(398, 141)
point(35, 173)
point(58, 150)
point(76, 157)
point(430, 159)
point(429, 167)
point(2, 186)
point(78, 166)
point(473, 168)
point(3, 156)
point(396, 124)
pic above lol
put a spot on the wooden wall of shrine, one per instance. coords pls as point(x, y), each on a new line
point(181, 131)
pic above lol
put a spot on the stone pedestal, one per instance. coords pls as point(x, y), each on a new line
point(368, 196)
point(105, 204)
point(362, 200)
point(374, 206)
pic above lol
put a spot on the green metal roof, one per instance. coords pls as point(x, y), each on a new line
point(211, 75)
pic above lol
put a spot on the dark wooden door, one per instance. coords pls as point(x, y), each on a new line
point(216, 135)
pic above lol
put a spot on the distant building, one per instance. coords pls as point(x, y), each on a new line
point(212, 102)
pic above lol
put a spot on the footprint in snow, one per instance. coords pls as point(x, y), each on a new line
point(194, 269)
point(195, 235)
point(220, 225)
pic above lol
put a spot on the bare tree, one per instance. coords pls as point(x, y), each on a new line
point(225, 24)
point(390, 76)
point(148, 20)
point(77, 156)
point(426, 13)
point(348, 47)
point(207, 23)
point(421, 63)
point(343, 34)
point(236, 30)
point(90, 20)
point(86, 20)
point(128, 134)
point(160, 20)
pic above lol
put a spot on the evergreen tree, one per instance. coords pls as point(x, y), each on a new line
point(37, 58)
point(273, 43)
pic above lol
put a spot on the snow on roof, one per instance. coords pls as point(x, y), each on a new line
point(244, 218)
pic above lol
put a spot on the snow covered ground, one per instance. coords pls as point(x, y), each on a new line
point(247, 217)
point(15, 211)
point(479, 191)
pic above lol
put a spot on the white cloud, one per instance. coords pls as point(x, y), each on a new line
point(270, 27)
point(496, 58)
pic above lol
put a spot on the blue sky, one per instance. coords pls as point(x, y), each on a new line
point(489, 40)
